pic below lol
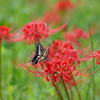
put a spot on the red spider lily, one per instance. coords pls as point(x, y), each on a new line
point(76, 34)
point(60, 66)
point(63, 57)
point(63, 61)
point(63, 48)
point(64, 5)
point(4, 32)
point(51, 17)
point(34, 29)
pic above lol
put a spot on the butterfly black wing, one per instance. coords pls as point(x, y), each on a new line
point(38, 51)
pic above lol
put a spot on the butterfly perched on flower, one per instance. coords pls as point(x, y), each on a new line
point(40, 53)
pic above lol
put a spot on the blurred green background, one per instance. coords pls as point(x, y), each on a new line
point(18, 85)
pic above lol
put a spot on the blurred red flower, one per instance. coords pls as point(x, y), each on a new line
point(64, 5)
point(4, 32)
point(77, 33)
point(34, 29)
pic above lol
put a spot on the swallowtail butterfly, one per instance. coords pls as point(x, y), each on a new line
point(40, 53)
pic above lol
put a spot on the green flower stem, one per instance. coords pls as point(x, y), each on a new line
point(77, 88)
point(0, 72)
point(93, 79)
point(93, 62)
point(57, 89)
point(71, 91)
point(65, 88)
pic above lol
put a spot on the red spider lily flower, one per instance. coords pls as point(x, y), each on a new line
point(63, 48)
point(60, 66)
point(75, 35)
point(34, 29)
point(67, 50)
point(63, 58)
point(51, 17)
point(63, 61)
point(4, 32)
point(64, 5)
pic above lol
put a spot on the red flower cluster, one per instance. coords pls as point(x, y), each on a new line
point(4, 32)
point(63, 61)
point(34, 29)
point(60, 66)
point(63, 48)
point(55, 14)
point(64, 5)
point(76, 34)
point(62, 57)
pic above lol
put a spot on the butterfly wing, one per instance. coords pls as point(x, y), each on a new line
point(46, 51)
point(38, 52)
point(39, 49)
point(44, 55)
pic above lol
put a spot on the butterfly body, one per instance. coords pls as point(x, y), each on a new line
point(40, 53)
